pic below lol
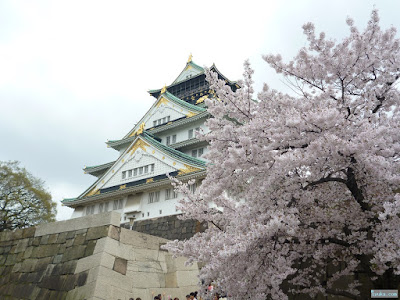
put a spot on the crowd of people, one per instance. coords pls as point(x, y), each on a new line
point(191, 296)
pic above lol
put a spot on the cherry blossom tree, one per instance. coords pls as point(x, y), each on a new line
point(300, 193)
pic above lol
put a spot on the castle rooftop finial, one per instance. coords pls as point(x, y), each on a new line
point(190, 58)
point(164, 89)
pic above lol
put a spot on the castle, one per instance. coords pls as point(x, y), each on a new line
point(163, 141)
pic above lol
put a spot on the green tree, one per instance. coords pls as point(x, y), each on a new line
point(24, 201)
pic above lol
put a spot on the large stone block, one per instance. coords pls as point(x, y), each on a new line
point(186, 278)
point(114, 232)
point(21, 246)
point(93, 261)
point(114, 247)
point(45, 251)
point(79, 239)
point(170, 280)
point(23, 291)
point(95, 233)
point(43, 263)
point(115, 279)
point(120, 265)
point(145, 266)
point(147, 280)
point(109, 218)
point(74, 252)
point(80, 293)
point(145, 255)
point(140, 240)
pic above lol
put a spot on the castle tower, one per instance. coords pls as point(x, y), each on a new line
point(163, 141)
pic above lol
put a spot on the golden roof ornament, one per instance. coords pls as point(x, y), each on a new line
point(190, 58)
point(141, 129)
point(164, 89)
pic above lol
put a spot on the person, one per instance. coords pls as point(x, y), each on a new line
point(193, 296)
point(176, 298)
point(188, 297)
point(138, 298)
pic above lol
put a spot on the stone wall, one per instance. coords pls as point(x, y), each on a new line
point(169, 227)
point(89, 258)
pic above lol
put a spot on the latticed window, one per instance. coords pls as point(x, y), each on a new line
point(157, 196)
point(168, 194)
point(151, 197)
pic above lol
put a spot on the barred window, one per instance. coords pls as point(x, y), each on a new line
point(151, 197)
point(115, 204)
point(157, 196)
point(167, 194)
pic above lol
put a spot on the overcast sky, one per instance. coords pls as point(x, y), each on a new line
point(76, 73)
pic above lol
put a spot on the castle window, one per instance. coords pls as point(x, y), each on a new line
point(171, 139)
point(130, 173)
point(160, 211)
point(157, 196)
point(151, 197)
point(146, 169)
point(152, 167)
point(148, 214)
point(115, 204)
point(120, 203)
point(197, 152)
point(168, 194)
point(142, 215)
point(101, 205)
point(106, 206)
point(193, 187)
point(140, 170)
point(90, 210)
point(161, 121)
point(190, 134)
point(123, 174)
point(135, 172)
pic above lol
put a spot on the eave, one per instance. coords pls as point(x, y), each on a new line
point(117, 192)
point(120, 144)
point(98, 170)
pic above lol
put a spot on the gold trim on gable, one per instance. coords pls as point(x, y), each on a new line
point(162, 101)
point(188, 169)
point(121, 187)
point(139, 130)
point(150, 180)
point(94, 191)
point(139, 144)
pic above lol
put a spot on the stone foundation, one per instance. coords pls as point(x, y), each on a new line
point(89, 258)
